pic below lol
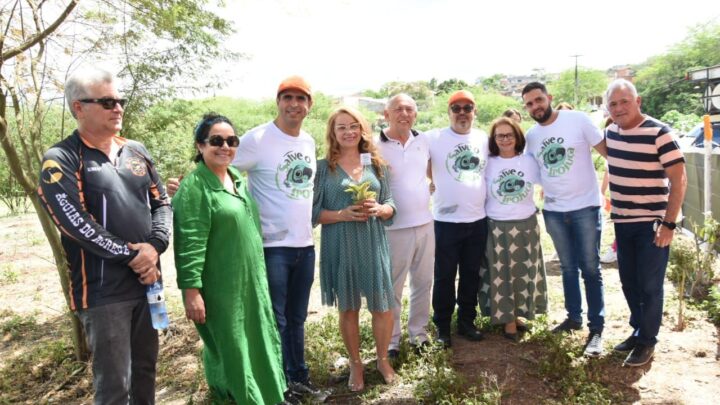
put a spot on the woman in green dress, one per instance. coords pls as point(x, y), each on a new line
point(354, 252)
point(221, 271)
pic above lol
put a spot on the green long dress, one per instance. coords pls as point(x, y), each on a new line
point(218, 249)
point(354, 256)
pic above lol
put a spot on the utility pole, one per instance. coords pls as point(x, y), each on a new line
point(577, 83)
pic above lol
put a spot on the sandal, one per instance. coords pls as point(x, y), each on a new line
point(351, 384)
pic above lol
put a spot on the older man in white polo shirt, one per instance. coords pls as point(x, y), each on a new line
point(411, 236)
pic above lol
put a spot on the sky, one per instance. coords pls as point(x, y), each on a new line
point(342, 46)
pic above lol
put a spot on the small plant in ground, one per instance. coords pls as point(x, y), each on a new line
point(437, 382)
point(693, 263)
point(578, 379)
point(16, 325)
point(9, 275)
point(48, 365)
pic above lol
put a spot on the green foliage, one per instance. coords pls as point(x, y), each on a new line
point(660, 79)
point(679, 121)
point(712, 305)
point(14, 325)
point(492, 83)
point(437, 381)
point(9, 275)
point(591, 84)
point(692, 266)
point(48, 364)
point(450, 86)
point(562, 364)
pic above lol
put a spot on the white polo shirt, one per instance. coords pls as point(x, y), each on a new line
point(408, 179)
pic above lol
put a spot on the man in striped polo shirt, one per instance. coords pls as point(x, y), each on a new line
point(647, 187)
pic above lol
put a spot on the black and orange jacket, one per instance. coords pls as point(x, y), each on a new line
point(99, 207)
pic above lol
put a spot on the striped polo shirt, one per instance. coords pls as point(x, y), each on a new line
point(637, 158)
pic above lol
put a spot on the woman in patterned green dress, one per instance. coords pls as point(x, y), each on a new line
point(354, 252)
point(221, 271)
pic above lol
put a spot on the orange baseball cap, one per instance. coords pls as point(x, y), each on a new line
point(295, 83)
point(461, 95)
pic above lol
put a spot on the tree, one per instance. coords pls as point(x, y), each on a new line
point(451, 85)
point(492, 83)
point(660, 80)
point(591, 86)
point(155, 42)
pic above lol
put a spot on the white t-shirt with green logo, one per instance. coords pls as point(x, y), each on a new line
point(563, 152)
point(510, 184)
point(281, 170)
point(458, 171)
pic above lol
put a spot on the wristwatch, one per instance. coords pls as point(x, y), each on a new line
point(669, 225)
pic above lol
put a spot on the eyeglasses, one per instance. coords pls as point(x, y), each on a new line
point(467, 108)
point(106, 102)
point(502, 137)
point(218, 141)
point(344, 128)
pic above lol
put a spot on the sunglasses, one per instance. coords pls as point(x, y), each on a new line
point(218, 141)
point(467, 108)
point(106, 102)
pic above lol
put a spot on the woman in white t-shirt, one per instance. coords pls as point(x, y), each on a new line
point(516, 274)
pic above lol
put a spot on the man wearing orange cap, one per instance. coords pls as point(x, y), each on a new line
point(279, 158)
point(458, 156)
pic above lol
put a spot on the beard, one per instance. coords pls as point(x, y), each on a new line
point(546, 116)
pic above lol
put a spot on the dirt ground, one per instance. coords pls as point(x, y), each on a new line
point(686, 368)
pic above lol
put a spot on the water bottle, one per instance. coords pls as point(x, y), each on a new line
point(158, 310)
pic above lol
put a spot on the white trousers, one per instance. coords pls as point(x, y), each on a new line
point(412, 250)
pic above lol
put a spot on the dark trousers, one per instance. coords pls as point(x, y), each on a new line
point(124, 349)
point(459, 248)
point(290, 273)
point(642, 268)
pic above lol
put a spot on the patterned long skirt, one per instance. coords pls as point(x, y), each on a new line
point(514, 283)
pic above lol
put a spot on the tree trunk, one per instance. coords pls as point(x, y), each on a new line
point(82, 352)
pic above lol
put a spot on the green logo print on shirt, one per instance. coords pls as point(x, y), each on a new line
point(510, 186)
point(464, 163)
point(555, 157)
point(294, 176)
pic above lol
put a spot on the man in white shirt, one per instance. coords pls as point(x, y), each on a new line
point(561, 142)
point(279, 158)
point(459, 155)
point(411, 236)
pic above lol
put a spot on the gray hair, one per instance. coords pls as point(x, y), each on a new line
point(76, 87)
point(619, 84)
point(394, 99)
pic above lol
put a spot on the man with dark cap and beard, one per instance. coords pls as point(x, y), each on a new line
point(561, 142)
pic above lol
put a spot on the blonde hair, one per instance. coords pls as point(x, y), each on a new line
point(366, 144)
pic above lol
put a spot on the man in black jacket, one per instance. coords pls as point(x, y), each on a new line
point(105, 196)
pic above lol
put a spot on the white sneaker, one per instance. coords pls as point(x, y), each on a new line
point(609, 257)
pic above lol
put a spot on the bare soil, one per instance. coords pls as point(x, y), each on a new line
point(686, 369)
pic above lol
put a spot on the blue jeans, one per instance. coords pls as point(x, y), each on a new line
point(576, 236)
point(642, 272)
point(458, 249)
point(124, 349)
point(290, 274)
